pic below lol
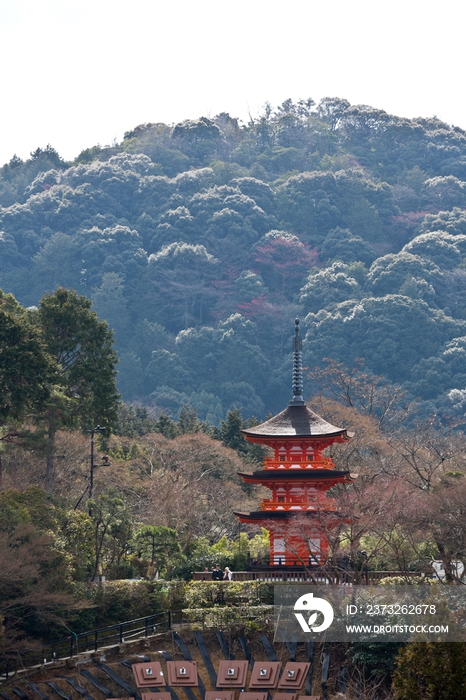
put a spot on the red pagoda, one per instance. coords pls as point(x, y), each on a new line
point(299, 512)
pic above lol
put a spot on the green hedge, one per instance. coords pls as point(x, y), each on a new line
point(205, 594)
point(228, 615)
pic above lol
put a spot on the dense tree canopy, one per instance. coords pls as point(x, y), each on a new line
point(26, 367)
point(180, 227)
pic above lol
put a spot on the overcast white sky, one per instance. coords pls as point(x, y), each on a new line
point(80, 72)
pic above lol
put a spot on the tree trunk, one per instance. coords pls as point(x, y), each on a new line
point(50, 458)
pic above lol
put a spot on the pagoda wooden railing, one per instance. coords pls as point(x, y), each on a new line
point(323, 504)
point(272, 463)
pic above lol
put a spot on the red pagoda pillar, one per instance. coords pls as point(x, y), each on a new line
point(299, 513)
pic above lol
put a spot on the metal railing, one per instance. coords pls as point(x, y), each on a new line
point(110, 636)
point(91, 641)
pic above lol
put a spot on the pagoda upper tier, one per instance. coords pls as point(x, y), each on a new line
point(296, 421)
point(297, 434)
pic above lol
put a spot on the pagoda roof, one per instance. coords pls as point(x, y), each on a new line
point(270, 514)
point(297, 474)
point(260, 515)
point(297, 421)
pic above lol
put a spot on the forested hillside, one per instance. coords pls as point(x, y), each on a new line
point(200, 242)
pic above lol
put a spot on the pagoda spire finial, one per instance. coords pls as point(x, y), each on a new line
point(297, 399)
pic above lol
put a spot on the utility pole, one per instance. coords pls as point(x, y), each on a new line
point(93, 431)
point(105, 463)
